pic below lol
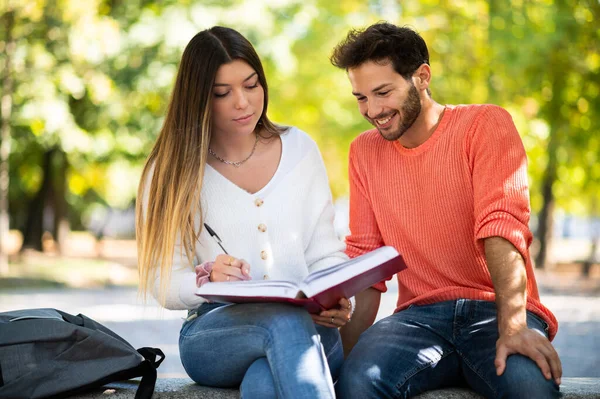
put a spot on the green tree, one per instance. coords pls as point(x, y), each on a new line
point(92, 80)
point(5, 111)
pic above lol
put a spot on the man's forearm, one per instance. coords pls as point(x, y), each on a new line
point(507, 269)
point(367, 304)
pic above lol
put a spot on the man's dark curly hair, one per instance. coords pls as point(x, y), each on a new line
point(381, 43)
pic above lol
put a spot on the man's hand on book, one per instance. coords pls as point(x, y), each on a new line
point(336, 317)
point(228, 268)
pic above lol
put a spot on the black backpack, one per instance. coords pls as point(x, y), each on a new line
point(46, 353)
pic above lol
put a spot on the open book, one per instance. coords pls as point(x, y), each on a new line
point(320, 290)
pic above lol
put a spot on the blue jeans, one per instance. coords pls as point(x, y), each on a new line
point(447, 344)
point(272, 350)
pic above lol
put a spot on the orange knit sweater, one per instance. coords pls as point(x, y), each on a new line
point(437, 202)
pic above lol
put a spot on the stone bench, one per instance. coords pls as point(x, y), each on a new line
point(183, 388)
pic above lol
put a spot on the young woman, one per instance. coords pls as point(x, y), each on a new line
point(263, 189)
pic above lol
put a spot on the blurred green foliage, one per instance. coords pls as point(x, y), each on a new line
point(93, 78)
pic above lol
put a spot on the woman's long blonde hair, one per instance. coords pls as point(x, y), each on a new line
point(167, 208)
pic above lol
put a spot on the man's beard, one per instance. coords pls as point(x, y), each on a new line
point(410, 110)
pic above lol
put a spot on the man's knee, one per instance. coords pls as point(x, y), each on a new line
point(356, 380)
point(253, 390)
point(523, 378)
point(258, 381)
point(367, 374)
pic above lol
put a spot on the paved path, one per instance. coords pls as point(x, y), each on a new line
point(577, 342)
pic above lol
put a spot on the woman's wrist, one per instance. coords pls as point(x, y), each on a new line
point(203, 273)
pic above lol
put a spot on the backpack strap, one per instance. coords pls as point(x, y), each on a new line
point(148, 371)
point(150, 354)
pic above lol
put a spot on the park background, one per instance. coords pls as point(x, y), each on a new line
point(85, 84)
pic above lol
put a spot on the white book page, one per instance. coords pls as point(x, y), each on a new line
point(323, 279)
point(252, 288)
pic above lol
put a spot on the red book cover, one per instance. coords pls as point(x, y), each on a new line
point(320, 290)
point(349, 288)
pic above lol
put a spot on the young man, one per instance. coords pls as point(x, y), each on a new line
point(447, 186)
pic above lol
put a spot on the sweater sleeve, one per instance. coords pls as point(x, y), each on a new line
point(181, 289)
point(180, 293)
point(498, 164)
point(324, 248)
point(364, 233)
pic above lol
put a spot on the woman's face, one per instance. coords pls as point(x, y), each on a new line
point(238, 99)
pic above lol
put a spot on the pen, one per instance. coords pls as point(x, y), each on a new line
point(215, 237)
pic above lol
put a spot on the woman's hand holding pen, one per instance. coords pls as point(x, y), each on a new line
point(228, 268)
point(336, 317)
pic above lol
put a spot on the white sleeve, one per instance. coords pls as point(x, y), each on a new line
point(324, 248)
point(180, 291)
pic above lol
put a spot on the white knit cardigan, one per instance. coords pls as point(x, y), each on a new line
point(284, 231)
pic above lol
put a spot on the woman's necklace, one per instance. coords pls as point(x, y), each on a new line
point(238, 163)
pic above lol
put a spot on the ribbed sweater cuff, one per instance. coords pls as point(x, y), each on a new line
point(380, 286)
point(508, 228)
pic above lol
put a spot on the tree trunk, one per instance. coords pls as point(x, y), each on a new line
point(492, 34)
point(6, 110)
point(591, 260)
point(34, 227)
point(595, 239)
point(546, 217)
point(60, 227)
point(556, 67)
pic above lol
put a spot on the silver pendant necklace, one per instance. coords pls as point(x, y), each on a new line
point(235, 164)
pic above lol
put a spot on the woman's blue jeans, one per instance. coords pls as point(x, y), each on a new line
point(269, 350)
point(447, 344)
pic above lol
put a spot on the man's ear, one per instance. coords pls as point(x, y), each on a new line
point(422, 77)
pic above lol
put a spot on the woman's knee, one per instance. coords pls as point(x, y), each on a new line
point(286, 321)
point(277, 312)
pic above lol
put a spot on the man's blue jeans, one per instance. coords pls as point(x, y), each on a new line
point(451, 343)
point(272, 350)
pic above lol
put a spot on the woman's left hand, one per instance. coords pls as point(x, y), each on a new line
point(335, 317)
